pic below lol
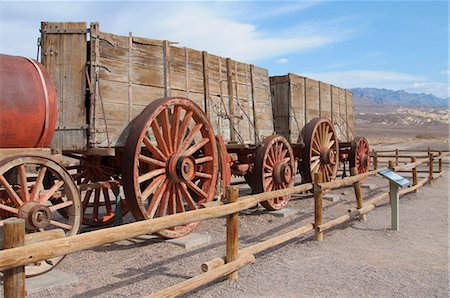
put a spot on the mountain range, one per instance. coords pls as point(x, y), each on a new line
point(400, 98)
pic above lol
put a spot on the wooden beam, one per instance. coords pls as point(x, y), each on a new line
point(414, 172)
point(204, 278)
point(232, 247)
point(14, 278)
point(166, 57)
point(44, 236)
point(231, 101)
point(358, 194)
point(318, 208)
point(430, 167)
point(207, 101)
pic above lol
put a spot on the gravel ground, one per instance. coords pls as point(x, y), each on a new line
point(355, 258)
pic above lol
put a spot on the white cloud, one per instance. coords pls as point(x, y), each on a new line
point(199, 25)
point(446, 72)
point(382, 79)
point(282, 61)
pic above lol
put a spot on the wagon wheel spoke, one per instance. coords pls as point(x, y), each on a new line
point(166, 129)
point(10, 190)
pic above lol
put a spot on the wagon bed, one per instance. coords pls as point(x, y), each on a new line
point(123, 74)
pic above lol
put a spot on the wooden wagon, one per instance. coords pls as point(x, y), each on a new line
point(170, 124)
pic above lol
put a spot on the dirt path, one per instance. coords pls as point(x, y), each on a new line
point(359, 259)
point(355, 259)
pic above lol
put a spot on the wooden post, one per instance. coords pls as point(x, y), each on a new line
point(440, 162)
point(396, 157)
point(414, 173)
point(394, 198)
point(232, 230)
point(430, 169)
point(391, 165)
point(318, 202)
point(14, 279)
point(358, 194)
point(375, 160)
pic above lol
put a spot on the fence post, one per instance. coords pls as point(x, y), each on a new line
point(232, 230)
point(14, 279)
point(440, 162)
point(394, 198)
point(391, 165)
point(375, 160)
point(318, 202)
point(358, 194)
point(414, 173)
point(396, 157)
point(430, 169)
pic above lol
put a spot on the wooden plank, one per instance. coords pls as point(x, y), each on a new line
point(325, 100)
point(335, 104)
point(65, 55)
point(166, 57)
point(281, 96)
point(312, 99)
point(231, 109)
point(297, 108)
point(207, 100)
point(350, 115)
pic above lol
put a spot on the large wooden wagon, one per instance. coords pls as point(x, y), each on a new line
point(170, 124)
point(125, 115)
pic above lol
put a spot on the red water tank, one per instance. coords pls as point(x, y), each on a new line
point(28, 103)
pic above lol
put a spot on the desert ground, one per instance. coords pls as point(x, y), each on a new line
point(355, 259)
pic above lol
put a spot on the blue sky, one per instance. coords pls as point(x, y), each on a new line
point(390, 44)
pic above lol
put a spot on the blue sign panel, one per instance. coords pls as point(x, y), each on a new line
point(396, 178)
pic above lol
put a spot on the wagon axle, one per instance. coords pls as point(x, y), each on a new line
point(36, 216)
point(181, 168)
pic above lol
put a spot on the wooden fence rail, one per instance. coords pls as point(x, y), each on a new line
point(18, 257)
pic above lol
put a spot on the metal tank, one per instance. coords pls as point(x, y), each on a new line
point(28, 103)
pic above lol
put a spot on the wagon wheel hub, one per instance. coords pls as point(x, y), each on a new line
point(181, 168)
point(283, 172)
point(364, 160)
point(327, 156)
point(36, 216)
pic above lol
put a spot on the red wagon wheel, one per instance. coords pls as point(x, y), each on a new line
point(321, 152)
point(170, 162)
point(274, 169)
point(360, 155)
point(24, 194)
point(99, 186)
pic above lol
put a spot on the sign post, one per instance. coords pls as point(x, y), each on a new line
point(395, 181)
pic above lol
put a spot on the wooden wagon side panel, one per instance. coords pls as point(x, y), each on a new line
point(262, 103)
point(281, 96)
point(64, 54)
point(297, 107)
point(312, 99)
point(128, 74)
point(334, 104)
point(325, 100)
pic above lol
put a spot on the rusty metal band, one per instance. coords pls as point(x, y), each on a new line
point(47, 108)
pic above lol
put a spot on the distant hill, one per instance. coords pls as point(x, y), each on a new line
point(401, 98)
